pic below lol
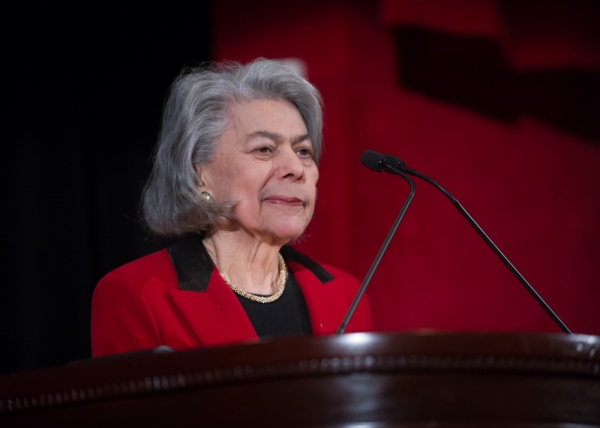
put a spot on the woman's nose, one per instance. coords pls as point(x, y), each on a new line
point(289, 164)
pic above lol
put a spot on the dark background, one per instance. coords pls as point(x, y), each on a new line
point(85, 94)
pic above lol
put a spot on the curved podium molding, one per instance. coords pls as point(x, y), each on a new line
point(382, 380)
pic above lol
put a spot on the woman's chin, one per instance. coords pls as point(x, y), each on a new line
point(286, 230)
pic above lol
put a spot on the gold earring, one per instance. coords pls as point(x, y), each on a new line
point(206, 196)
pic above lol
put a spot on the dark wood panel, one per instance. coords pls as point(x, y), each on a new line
point(379, 380)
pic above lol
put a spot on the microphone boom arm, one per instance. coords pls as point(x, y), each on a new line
point(386, 242)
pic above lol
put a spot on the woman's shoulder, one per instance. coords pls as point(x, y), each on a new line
point(337, 272)
point(333, 294)
point(152, 268)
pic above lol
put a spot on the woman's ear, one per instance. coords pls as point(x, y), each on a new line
point(200, 178)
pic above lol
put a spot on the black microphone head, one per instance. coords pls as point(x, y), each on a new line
point(394, 161)
point(372, 160)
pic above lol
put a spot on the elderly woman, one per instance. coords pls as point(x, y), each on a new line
point(234, 179)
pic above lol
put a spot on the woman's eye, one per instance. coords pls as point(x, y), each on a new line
point(305, 153)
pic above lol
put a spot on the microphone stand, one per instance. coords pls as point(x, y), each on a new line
point(383, 165)
point(400, 167)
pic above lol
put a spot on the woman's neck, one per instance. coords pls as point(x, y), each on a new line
point(251, 264)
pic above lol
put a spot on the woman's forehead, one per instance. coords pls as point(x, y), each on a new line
point(265, 118)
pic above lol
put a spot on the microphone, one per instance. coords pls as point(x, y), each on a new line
point(372, 160)
point(397, 165)
point(378, 163)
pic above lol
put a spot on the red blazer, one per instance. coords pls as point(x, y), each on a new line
point(176, 297)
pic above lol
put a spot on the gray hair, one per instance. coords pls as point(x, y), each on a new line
point(194, 118)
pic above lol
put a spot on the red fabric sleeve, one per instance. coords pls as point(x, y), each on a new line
point(122, 320)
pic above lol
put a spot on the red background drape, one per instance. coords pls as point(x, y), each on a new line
point(533, 186)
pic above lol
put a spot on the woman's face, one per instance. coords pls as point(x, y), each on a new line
point(264, 163)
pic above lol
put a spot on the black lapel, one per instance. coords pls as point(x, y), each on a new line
point(192, 263)
point(292, 255)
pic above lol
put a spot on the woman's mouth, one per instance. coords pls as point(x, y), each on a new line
point(283, 200)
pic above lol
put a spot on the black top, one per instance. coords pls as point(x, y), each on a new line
point(286, 316)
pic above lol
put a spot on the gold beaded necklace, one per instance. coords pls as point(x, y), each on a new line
point(262, 299)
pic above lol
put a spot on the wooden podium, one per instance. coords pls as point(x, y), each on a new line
point(366, 380)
